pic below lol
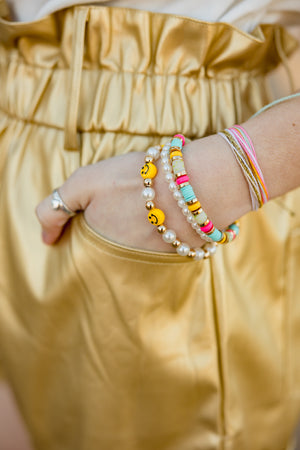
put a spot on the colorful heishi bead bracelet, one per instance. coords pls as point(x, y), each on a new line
point(157, 217)
point(173, 165)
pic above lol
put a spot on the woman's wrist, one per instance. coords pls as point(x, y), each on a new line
point(218, 183)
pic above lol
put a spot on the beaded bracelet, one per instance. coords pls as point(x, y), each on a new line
point(173, 187)
point(186, 197)
point(157, 217)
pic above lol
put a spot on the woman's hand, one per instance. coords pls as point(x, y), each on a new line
point(109, 193)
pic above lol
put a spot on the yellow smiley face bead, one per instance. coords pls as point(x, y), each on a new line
point(156, 217)
point(148, 170)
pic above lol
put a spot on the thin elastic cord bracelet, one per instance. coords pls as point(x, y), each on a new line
point(186, 197)
point(276, 102)
point(243, 150)
point(244, 139)
point(157, 217)
point(244, 165)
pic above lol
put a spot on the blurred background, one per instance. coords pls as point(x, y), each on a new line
point(13, 434)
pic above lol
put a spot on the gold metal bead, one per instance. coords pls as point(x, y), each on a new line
point(206, 254)
point(150, 205)
point(198, 211)
point(205, 223)
point(148, 182)
point(191, 202)
point(148, 159)
point(192, 253)
point(176, 243)
point(211, 231)
point(184, 184)
point(180, 174)
point(173, 148)
point(161, 229)
point(176, 158)
point(223, 240)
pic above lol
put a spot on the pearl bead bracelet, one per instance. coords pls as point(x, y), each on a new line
point(157, 217)
point(174, 168)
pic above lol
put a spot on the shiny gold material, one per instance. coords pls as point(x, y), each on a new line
point(150, 205)
point(148, 159)
point(176, 243)
point(192, 202)
point(192, 253)
point(211, 231)
point(161, 229)
point(184, 184)
point(148, 182)
point(115, 348)
point(223, 240)
point(179, 174)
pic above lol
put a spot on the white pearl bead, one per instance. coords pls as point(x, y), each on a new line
point(153, 152)
point(211, 248)
point(165, 154)
point(169, 236)
point(195, 226)
point(169, 177)
point(185, 210)
point(166, 168)
point(167, 146)
point(183, 249)
point(173, 186)
point(177, 195)
point(165, 160)
point(148, 194)
point(199, 254)
point(190, 219)
point(181, 203)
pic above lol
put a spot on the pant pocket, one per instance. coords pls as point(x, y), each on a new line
point(149, 334)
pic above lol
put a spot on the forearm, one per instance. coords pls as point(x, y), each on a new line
point(217, 178)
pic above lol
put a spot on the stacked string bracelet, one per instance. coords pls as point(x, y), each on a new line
point(157, 217)
point(243, 150)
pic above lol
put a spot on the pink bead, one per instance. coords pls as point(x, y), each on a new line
point(180, 136)
point(207, 227)
point(182, 179)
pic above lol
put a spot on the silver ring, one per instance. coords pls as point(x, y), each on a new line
point(57, 204)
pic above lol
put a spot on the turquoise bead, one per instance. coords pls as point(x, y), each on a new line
point(216, 235)
point(235, 228)
point(188, 193)
point(176, 142)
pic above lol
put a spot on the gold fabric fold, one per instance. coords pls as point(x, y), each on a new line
point(108, 347)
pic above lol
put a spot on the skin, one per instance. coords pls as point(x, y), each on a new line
point(214, 175)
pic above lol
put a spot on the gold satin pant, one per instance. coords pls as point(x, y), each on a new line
point(113, 348)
